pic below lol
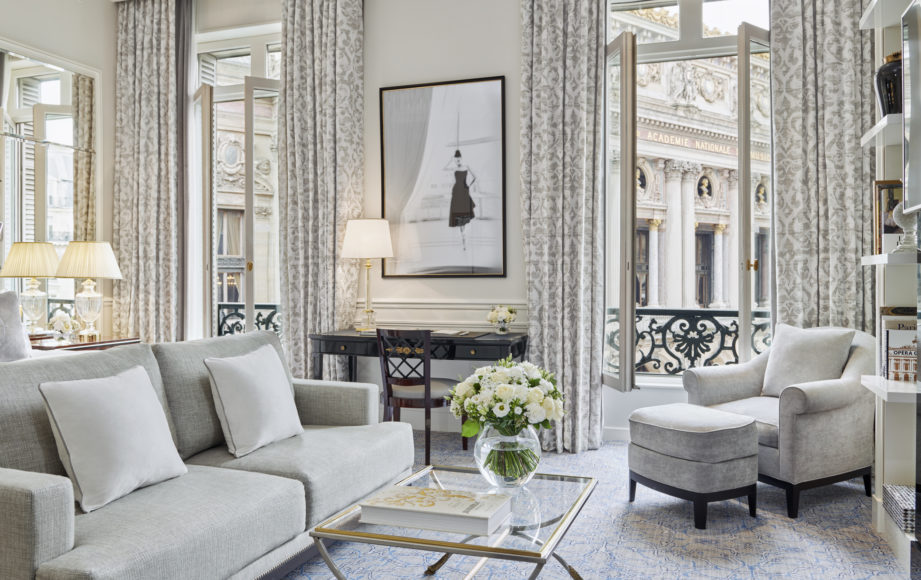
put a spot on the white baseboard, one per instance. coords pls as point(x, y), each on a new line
point(616, 434)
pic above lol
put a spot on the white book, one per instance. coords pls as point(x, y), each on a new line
point(443, 510)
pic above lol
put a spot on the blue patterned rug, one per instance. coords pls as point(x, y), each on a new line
point(655, 537)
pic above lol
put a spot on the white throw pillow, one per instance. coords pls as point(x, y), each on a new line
point(14, 339)
point(803, 355)
point(254, 399)
point(112, 435)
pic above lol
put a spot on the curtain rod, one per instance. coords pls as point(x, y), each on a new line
point(45, 143)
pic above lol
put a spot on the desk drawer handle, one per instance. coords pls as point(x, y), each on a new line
point(341, 347)
point(472, 351)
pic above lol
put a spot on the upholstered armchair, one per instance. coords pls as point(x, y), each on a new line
point(810, 433)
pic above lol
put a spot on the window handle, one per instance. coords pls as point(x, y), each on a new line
point(752, 265)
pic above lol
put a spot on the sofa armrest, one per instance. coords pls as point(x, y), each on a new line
point(818, 396)
point(336, 402)
point(720, 384)
point(37, 510)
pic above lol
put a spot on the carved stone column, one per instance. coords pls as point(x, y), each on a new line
point(673, 239)
point(719, 300)
point(732, 177)
point(689, 175)
point(652, 284)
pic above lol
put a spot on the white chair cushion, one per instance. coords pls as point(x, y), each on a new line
point(253, 399)
point(112, 435)
point(14, 340)
point(804, 355)
point(440, 389)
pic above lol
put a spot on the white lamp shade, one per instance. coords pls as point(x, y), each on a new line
point(367, 238)
point(30, 260)
point(89, 260)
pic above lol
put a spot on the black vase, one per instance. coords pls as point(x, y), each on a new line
point(889, 85)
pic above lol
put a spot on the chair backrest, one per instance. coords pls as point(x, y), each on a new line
point(405, 357)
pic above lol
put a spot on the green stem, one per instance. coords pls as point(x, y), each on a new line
point(513, 464)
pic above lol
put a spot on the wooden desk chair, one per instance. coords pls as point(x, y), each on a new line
point(405, 357)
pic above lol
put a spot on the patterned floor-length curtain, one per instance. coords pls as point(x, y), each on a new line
point(146, 225)
point(83, 101)
point(321, 168)
point(822, 77)
point(561, 204)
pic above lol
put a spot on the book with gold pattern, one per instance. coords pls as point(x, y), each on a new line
point(442, 510)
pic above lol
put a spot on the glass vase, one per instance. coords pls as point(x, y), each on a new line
point(507, 460)
point(502, 328)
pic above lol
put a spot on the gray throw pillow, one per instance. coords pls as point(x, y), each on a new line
point(801, 355)
point(112, 435)
point(14, 340)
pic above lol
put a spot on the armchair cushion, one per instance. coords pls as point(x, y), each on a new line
point(800, 355)
point(764, 410)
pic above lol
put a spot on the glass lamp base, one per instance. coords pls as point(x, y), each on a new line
point(88, 335)
point(367, 321)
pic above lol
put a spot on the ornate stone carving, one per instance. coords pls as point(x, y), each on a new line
point(682, 84)
point(647, 74)
point(654, 224)
point(712, 88)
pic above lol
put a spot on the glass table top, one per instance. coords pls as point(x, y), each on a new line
point(542, 512)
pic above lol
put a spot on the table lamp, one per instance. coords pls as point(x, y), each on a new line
point(31, 260)
point(367, 239)
point(88, 260)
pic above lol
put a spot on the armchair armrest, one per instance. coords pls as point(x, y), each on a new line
point(720, 384)
point(38, 520)
point(818, 396)
point(336, 402)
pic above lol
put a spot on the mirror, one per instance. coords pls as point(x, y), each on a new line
point(47, 161)
point(911, 109)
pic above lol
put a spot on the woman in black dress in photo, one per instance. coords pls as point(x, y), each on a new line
point(461, 203)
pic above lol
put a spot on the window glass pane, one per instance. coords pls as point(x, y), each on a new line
point(59, 200)
point(659, 24)
point(723, 17)
point(51, 92)
point(231, 69)
point(273, 62)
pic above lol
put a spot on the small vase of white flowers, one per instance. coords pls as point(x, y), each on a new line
point(500, 317)
point(506, 403)
point(62, 323)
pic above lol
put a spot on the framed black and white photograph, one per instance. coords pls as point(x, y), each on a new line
point(443, 177)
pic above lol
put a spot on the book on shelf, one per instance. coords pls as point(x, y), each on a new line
point(443, 510)
point(899, 356)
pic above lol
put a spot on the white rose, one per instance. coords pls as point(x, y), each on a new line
point(535, 396)
point(505, 392)
point(492, 317)
point(545, 386)
point(461, 390)
point(531, 370)
point(500, 376)
point(500, 410)
point(558, 411)
point(521, 392)
point(536, 413)
point(549, 407)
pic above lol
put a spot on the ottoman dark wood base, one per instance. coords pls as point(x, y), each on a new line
point(700, 499)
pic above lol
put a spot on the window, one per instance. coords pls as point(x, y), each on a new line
point(231, 68)
point(692, 221)
point(273, 62)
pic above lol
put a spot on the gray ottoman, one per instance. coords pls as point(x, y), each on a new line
point(694, 453)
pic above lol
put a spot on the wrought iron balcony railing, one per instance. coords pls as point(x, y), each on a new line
point(231, 318)
point(670, 341)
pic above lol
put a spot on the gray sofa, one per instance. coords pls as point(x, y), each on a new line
point(227, 517)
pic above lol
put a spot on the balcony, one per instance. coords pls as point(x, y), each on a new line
point(231, 318)
point(670, 341)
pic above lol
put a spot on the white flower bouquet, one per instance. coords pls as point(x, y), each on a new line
point(62, 322)
point(501, 316)
point(509, 397)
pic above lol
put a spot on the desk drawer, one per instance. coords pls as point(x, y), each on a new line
point(478, 352)
point(348, 348)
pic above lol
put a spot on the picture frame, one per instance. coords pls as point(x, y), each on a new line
point(887, 194)
point(443, 178)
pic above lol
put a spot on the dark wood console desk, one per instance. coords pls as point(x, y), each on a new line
point(488, 347)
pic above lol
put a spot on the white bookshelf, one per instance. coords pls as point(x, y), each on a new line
point(886, 132)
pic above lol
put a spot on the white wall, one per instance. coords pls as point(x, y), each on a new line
point(421, 41)
point(213, 15)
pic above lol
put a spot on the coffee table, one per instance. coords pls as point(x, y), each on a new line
point(542, 513)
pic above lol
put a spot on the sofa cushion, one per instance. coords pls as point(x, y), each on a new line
point(764, 410)
point(112, 435)
point(803, 355)
point(26, 441)
point(693, 432)
point(188, 386)
point(208, 523)
point(253, 398)
point(337, 465)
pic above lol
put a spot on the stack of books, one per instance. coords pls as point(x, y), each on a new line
point(443, 510)
point(899, 501)
point(899, 356)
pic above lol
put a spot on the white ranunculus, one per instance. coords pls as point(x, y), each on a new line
point(521, 392)
point(535, 396)
point(500, 410)
point(535, 412)
point(518, 410)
